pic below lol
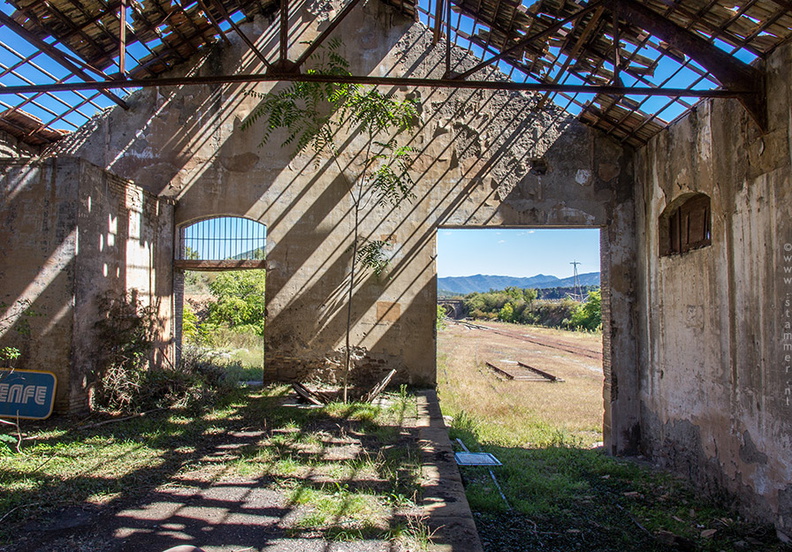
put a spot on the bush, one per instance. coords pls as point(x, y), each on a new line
point(198, 381)
point(126, 382)
point(239, 300)
point(521, 306)
point(191, 332)
point(508, 305)
point(506, 314)
point(440, 322)
point(126, 338)
point(588, 315)
point(553, 314)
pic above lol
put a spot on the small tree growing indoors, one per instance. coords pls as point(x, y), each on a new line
point(316, 116)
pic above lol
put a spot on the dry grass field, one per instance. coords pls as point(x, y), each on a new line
point(529, 413)
point(556, 491)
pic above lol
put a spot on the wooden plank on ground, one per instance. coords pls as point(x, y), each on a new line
point(307, 394)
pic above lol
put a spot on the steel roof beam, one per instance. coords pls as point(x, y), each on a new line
point(438, 21)
point(375, 81)
point(57, 56)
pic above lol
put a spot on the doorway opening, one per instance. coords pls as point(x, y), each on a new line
point(220, 283)
point(520, 370)
point(521, 340)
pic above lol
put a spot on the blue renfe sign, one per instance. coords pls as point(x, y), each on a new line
point(26, 394)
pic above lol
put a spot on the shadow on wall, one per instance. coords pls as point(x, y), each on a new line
point(91, 235)
point(459, 182)
point(482, 159)
point(172, 138)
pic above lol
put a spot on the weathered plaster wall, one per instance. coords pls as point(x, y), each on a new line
point(715, 323)
point(125, 238)
point(484, 159)
point(71, 233)
point(38, 237)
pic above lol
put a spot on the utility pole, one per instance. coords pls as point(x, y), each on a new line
point(576, 281)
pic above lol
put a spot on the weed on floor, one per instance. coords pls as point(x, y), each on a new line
point(339, 472)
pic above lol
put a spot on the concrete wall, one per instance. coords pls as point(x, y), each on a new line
point(485, 159)
point(715, 325)
point(38, 237)
point(71, 233)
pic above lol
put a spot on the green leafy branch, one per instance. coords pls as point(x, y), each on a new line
point(315, 115)
point(371, 254)
point(305, 109)
point(393, 186)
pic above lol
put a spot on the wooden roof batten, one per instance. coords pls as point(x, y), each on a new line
point(732, 73)
point(519, 35)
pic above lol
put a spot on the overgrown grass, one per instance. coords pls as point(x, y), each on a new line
point(561, 492)
point(235, 364)
point(348, 471)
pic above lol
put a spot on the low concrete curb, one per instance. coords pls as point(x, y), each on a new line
point(444, 500)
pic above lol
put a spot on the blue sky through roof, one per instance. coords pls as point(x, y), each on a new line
point(75, 108)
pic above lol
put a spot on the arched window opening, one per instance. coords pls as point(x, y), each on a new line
point(219, 295)
point(222, 243)
point(685, 225)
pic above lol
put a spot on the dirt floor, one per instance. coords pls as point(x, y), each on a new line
point(222, 497)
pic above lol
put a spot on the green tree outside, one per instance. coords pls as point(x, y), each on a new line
point(239, 301)
point(521, 306)
point(588, 315)
point(506, 314)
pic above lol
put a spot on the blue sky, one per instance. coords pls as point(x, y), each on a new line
point(78, 107)
point(224, 237)
point(516, 252)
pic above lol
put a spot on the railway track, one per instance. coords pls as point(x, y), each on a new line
point(544, 342)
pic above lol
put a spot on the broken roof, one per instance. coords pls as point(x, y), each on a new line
point(627, 67)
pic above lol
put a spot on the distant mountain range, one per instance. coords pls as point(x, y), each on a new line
point(462, 285)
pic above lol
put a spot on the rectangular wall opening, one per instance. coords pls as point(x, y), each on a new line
point(521, 330)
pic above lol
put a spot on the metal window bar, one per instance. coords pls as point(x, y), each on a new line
point(223, 238)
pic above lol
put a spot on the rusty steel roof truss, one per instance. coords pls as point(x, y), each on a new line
point(607, 61)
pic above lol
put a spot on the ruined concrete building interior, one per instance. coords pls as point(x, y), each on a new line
point(667, 124)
